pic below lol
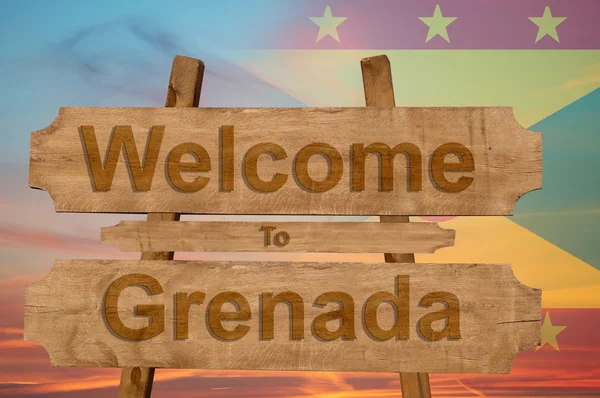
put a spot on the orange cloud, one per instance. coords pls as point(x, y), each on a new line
point(14, 236)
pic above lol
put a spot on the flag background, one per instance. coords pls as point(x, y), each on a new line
point(264, 53)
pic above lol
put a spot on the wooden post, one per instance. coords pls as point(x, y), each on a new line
point(379, 92)
point(185, 84)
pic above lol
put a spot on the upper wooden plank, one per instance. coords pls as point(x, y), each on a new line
point(70, 160)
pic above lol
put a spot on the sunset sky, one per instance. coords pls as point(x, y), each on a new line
point(266, 53)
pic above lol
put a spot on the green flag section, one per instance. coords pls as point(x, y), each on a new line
point(535, 83)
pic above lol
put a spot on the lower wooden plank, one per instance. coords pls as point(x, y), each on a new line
point(445, 317)
point(339, 237)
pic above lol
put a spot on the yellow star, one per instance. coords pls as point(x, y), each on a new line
point(547, 24)
point(328, 24)
point(549, 333)
point(437, 24)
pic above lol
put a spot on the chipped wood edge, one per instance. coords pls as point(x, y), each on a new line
point(535, 183)
point(526, 340)
point(37, 137)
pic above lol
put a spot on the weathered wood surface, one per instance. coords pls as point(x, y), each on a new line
point(325, 237)
point(506, 160)
point(499, 316)
point(185, 84)
point(379, 92)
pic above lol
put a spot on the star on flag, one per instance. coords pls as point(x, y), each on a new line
point(328, 24)
point(437, 24)
point(547, 24)
point(549, 333)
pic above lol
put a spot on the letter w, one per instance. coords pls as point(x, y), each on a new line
point(102, 175)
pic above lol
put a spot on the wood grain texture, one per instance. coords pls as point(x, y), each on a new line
point(316, 237)
point(415, 385)
point(507, 160)
point(136, 382)
point(64, 313)
point(185, 84)
point(379, 92)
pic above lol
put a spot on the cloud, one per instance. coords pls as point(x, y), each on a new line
point(129, 59)
point(15, 236)
point(590, 76)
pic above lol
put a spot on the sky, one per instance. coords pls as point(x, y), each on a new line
point(266, 53)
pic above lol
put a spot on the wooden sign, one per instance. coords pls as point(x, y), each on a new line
point(285, 316)
point(379, 160)
point(354, 161)
point(315, 237)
